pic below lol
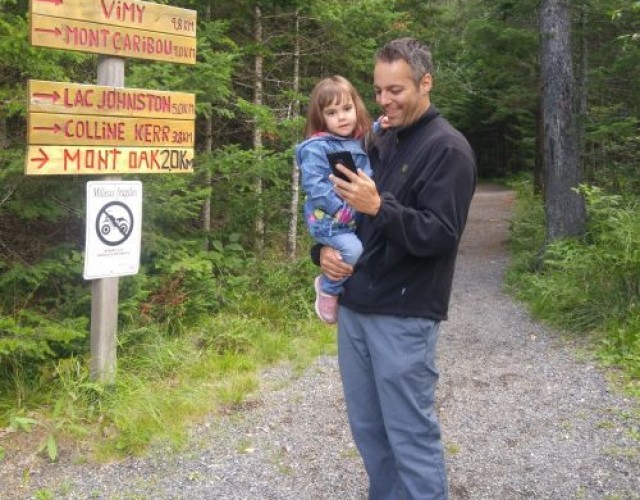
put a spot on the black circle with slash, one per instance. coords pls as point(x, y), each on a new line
point(114, 223)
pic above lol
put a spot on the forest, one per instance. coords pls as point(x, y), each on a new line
point(224, 262)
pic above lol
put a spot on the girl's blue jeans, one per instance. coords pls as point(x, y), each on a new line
point(350, 249)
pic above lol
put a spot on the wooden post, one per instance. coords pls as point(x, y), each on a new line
point(104, 292)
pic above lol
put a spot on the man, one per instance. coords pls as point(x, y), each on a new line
point(415, 210)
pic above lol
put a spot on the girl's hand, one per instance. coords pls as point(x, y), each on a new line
point(332, 264)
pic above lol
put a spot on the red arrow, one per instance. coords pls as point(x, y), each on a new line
point(56, 31)
point(54, 97)
point(54, 2)
point(42, 160)
point(55, 129)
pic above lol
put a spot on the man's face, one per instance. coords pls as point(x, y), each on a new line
point(401, 100)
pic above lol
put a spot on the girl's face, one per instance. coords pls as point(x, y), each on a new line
point(340, 117)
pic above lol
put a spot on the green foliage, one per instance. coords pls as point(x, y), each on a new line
point(611, 126)
point(24, 424)
point(490, 93)
point(612, 142)
point(44, 494)
point(52, 283)
point(74, 402)
point(589, 286)
point(234, 201)
point(275, 290)
point(166, 379)
point(183, 282)
point(349, 52)
point(28, 336)
point(527, 229)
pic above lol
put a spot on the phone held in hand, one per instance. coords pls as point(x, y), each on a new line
point(345, 158)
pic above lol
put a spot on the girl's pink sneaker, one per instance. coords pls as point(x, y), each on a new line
point(326, 305)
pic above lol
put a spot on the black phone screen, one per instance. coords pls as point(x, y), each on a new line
point(343, 157)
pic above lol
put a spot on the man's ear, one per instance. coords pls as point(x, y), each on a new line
point(425, 83)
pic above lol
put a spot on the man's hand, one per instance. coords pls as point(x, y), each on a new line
point(360, 193)
point(332, 264)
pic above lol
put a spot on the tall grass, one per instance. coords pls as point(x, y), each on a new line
point(589, 286)
point(169, 378)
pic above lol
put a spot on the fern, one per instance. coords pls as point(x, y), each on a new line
point(29, 335)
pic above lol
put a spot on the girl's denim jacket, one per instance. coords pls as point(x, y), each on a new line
point(325, 213)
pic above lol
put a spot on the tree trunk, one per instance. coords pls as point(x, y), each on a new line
point(292, 233)
point(257, 130)
point(208, 148)
point(583, 86)
point(4, 140)
point(206, 204)
point(538, 167)
point(564, 208)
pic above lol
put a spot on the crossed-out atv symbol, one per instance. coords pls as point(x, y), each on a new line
point(114, 223)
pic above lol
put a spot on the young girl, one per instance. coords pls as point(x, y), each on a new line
point(336, 121)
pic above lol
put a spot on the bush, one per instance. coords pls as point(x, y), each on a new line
point(589, 285)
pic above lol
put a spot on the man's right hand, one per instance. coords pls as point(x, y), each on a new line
point(332, 265)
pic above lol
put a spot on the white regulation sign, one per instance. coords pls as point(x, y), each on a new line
point(113, 233)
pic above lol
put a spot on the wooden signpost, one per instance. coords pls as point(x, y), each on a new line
point(107, 129)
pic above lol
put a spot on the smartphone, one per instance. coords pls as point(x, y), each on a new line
point(344, 158)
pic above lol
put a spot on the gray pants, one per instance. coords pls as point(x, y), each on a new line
point(389, 375)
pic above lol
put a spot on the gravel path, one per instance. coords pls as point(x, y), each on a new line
point(523, 416)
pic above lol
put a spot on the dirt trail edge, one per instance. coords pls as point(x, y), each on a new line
point(523, 416)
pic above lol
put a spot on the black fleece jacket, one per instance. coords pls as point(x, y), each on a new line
point(426, 176)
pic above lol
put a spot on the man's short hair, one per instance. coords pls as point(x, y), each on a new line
point(413, 52)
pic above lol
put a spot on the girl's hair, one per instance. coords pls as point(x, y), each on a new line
point(334, 90)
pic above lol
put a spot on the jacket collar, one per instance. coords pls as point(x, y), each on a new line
point(431, 113)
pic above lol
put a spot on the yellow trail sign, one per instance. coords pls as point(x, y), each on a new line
point(134, 14)
point(59, 33)
point(95, 130)
point(63, 97)
point(104, 160)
